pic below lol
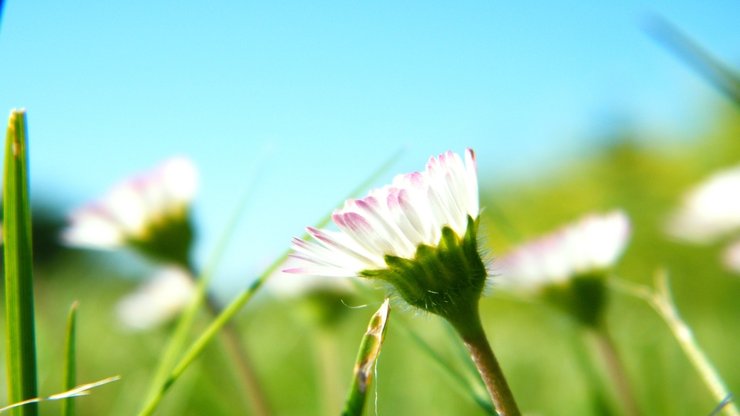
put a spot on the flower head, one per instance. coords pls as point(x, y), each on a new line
point(591, 245)
point(418, 234)
point(157, 300)
point(710, 209)
point(567, 266)
point(150, 212)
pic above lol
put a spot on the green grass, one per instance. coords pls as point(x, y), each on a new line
point(20, 339)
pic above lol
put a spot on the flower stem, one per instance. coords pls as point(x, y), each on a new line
point(237, 352)
point(470, 329)
point(615, 369)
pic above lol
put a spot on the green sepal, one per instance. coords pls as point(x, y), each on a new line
point(446, 279)
point(168, 240)
point(583, 297)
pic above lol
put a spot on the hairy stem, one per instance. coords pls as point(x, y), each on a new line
point(470, 329)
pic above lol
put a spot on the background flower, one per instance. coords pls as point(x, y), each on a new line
point(590, 245)
point(709, 210)
point(150, 213)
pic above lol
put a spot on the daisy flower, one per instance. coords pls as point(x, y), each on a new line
point(419, 235)
point(150, 213)
point(591, 245)
point(568, 265)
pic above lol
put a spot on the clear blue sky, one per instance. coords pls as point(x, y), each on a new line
point(304, 99)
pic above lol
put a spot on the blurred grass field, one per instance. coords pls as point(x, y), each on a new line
point(541, 351)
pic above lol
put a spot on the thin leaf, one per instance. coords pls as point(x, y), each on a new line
point(367, 357)
point(70, 362)
point(178, 340)
point(19, 304)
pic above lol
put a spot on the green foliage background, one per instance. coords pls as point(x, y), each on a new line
point(540, 350)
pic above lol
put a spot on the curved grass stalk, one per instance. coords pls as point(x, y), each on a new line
point(662, 301)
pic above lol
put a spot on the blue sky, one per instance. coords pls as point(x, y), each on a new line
point(302, 100)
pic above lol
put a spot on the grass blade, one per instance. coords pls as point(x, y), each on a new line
point(367, 358)
point(19, 305)
point(720, 75)
point(70, 361)
point(179, 337)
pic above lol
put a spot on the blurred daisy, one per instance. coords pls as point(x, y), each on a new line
point(418, 234)
point(150, 213)
point(568, 266)
point(157, 300)
point(591, 245)
point(709, 210)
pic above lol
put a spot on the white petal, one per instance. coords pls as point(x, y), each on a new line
point(157, 300)
point(394, 220)
point(92, 228)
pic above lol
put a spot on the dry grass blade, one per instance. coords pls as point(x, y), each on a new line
point(367, 357)
point(81, 390)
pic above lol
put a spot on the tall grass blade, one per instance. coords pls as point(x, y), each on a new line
point(20, 332)
point(179, 337)
point(716, 72)
point(367, 358)
point(70, 360)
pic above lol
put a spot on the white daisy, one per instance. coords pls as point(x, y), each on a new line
point(395, 219)
point(149, 212)
point(418, 233)
point(590, 245)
